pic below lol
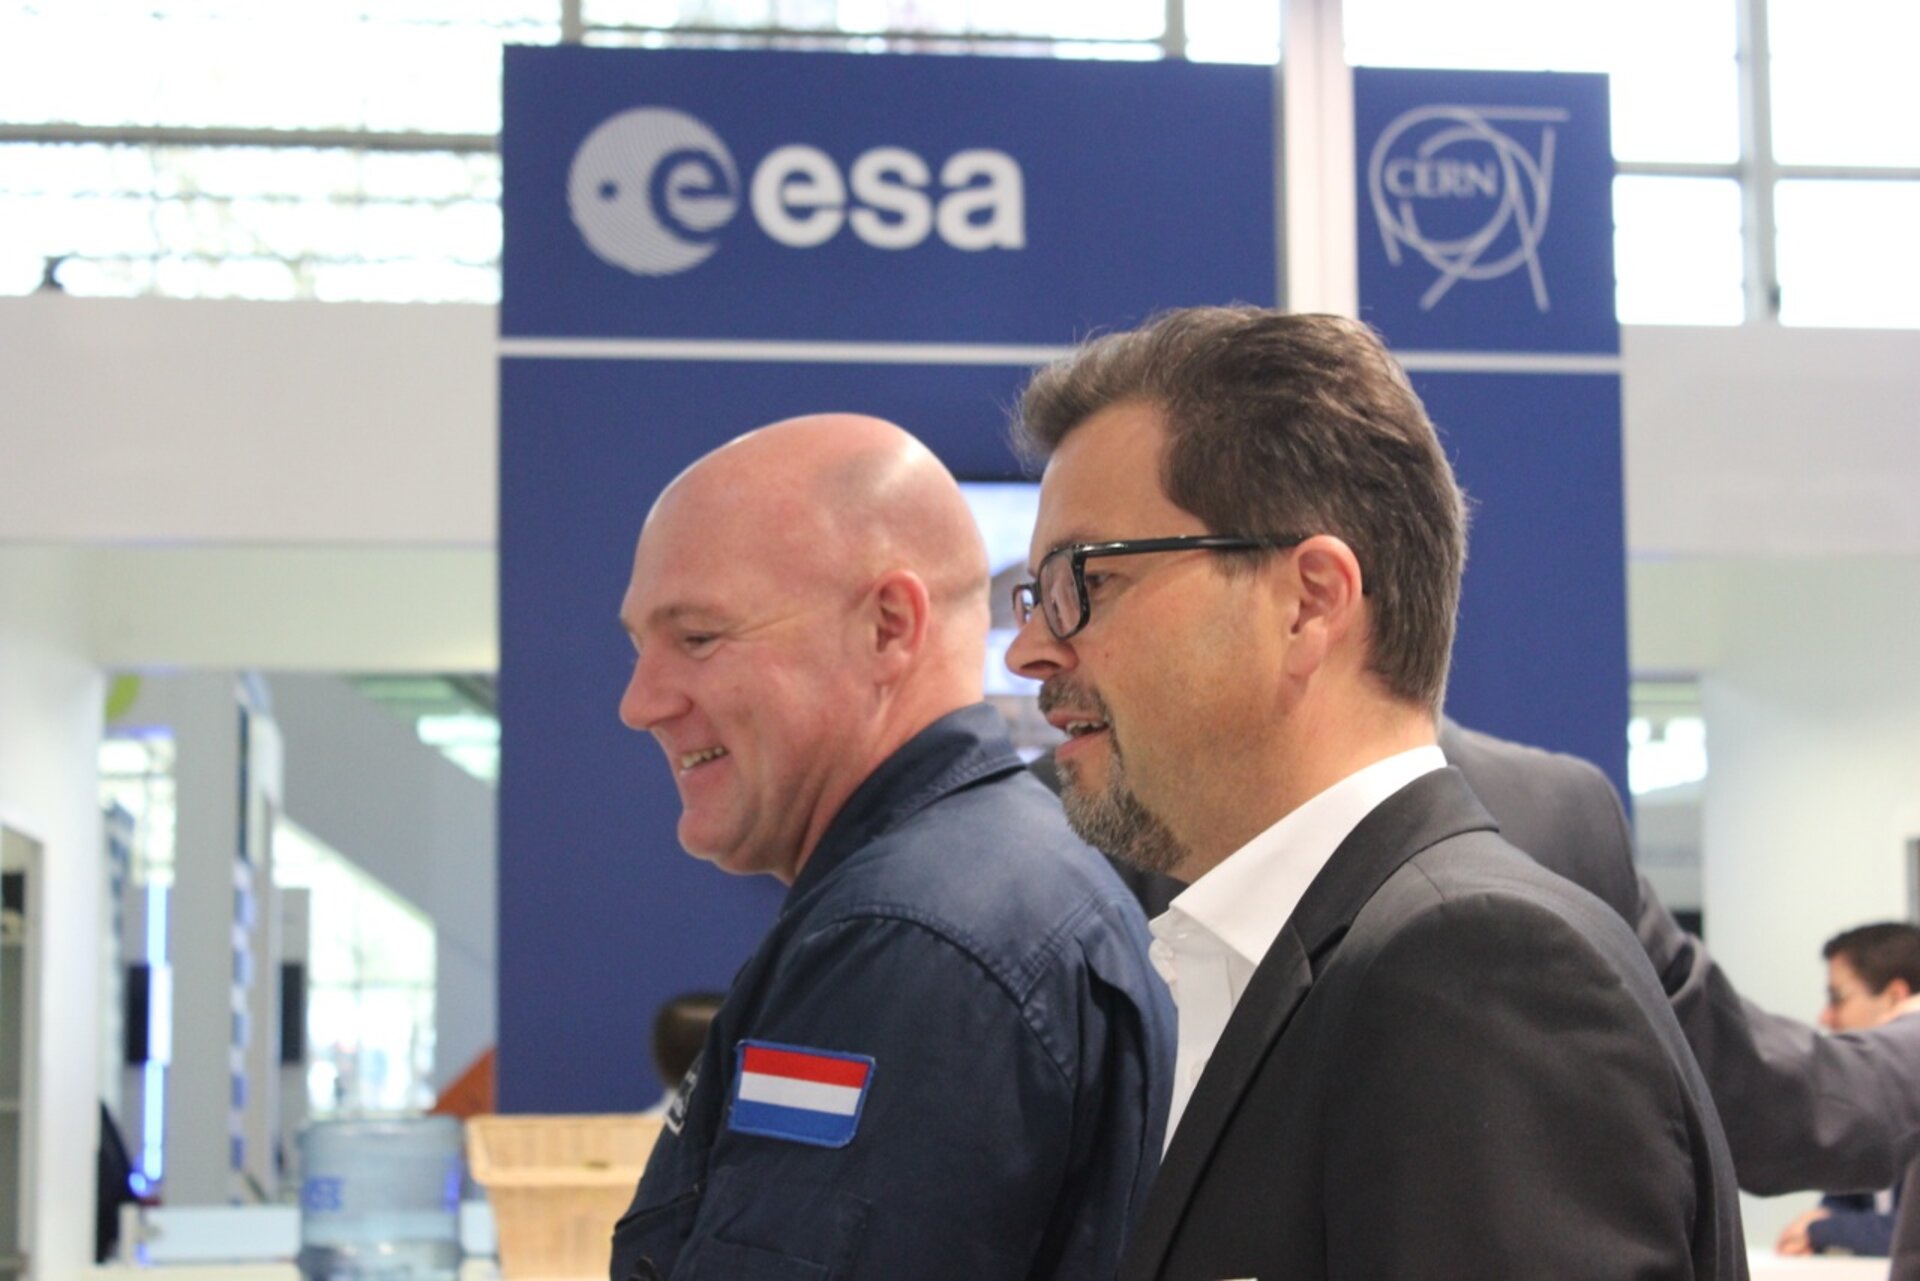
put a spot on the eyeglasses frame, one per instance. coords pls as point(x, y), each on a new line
point(1028, 600)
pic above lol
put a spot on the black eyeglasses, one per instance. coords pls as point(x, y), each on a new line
point(1059, 588)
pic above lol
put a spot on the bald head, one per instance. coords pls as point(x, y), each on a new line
point(831, 501)
point(805, 599)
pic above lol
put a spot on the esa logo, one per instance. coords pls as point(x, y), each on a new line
point(652, 189)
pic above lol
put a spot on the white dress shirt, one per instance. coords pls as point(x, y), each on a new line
point(1209, 941)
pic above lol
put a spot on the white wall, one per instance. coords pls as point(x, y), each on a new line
point(155, 421)
point(1760, 440)
point(1814, 716)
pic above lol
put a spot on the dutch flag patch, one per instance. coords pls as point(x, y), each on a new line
point(801, 1095)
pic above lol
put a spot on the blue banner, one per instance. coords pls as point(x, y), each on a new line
point(1541, 652)
point(698, 243)
point(882, 198)
point(1486, 259)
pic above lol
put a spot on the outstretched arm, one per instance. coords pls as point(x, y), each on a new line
point(1802, 1109)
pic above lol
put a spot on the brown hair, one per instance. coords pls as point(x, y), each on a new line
point(1879, 954)
point(1281, 423)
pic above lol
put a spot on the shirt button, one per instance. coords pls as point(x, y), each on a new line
point(1194, 1070)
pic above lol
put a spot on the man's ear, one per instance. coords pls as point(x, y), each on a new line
point(900, 612)
point(1898, 989)
point(1328, 589)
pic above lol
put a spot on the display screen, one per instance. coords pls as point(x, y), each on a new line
point(1005, 510)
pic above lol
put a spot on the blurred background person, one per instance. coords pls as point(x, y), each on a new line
point(1872, 971)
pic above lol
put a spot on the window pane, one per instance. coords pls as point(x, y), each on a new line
point(1844, 90)
point(1674, 77)
point(252, 222)
point(1233, 31)
point(1677, 251)
point(427, 65)
point(1062, 19)
point(1847, 254)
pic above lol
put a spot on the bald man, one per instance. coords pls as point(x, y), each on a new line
point(949, 1058)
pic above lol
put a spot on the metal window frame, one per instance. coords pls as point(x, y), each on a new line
point(1757, 173)
point(1756, 170)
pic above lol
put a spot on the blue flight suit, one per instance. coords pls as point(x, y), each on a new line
point(950, 929)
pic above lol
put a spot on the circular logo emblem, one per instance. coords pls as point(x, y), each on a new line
point(651, 189)
point(1467, 197)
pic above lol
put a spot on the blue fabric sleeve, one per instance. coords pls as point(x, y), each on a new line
point(1853, 1227)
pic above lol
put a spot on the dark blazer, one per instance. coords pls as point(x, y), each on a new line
point(1449, 1064)
point(1906, 1232)
point(1803, 1110)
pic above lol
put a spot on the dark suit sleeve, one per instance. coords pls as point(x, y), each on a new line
point(1503, 1107)
point(1802, 1109)
point(1906, 1229)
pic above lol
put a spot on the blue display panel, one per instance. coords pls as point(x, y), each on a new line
point(1485, 204)
point(1486, 210)
point(602, 915)
point(1541, 654)
point(881, 198)
point(938, 206)
point(713, 199)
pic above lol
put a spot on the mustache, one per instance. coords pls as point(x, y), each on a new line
point(1063, 691)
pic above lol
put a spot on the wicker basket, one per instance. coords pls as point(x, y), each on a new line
point(557, 1184)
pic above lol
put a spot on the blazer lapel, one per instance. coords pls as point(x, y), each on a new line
point(1430, 809)
point(1272, 995)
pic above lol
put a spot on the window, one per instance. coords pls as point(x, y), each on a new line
point(1676, 128)
point(370, 984)
point(341, 149)
point(1847, 253)
point(344, 149)
point(252, 222)
point(1843, 88)
point(1676, 250)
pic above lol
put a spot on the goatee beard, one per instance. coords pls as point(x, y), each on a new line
point(1112, 820)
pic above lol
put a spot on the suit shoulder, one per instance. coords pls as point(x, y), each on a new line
point(1503, 763)
point(1560, 810)
point(1487, 874)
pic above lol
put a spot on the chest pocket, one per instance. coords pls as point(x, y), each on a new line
point(643, 1237)
point(773, 1229)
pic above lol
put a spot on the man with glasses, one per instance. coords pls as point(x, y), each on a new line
point(1405, 1049)
point(949, 1059)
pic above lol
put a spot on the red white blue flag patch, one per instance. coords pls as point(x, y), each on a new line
point(801, 1095)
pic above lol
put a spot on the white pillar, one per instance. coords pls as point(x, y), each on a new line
point(50, 701)
point(1319, 236)
point(221, 919)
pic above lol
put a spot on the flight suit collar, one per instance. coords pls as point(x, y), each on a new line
point(961, 748)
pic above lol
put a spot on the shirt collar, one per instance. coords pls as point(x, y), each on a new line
point(1245, 900)
point(960, 748)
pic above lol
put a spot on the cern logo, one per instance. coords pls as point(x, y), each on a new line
point(1467, 197)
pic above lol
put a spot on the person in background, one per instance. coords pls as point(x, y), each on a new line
point(949, 1059)
point(1872, 972)
point(679, 1031)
